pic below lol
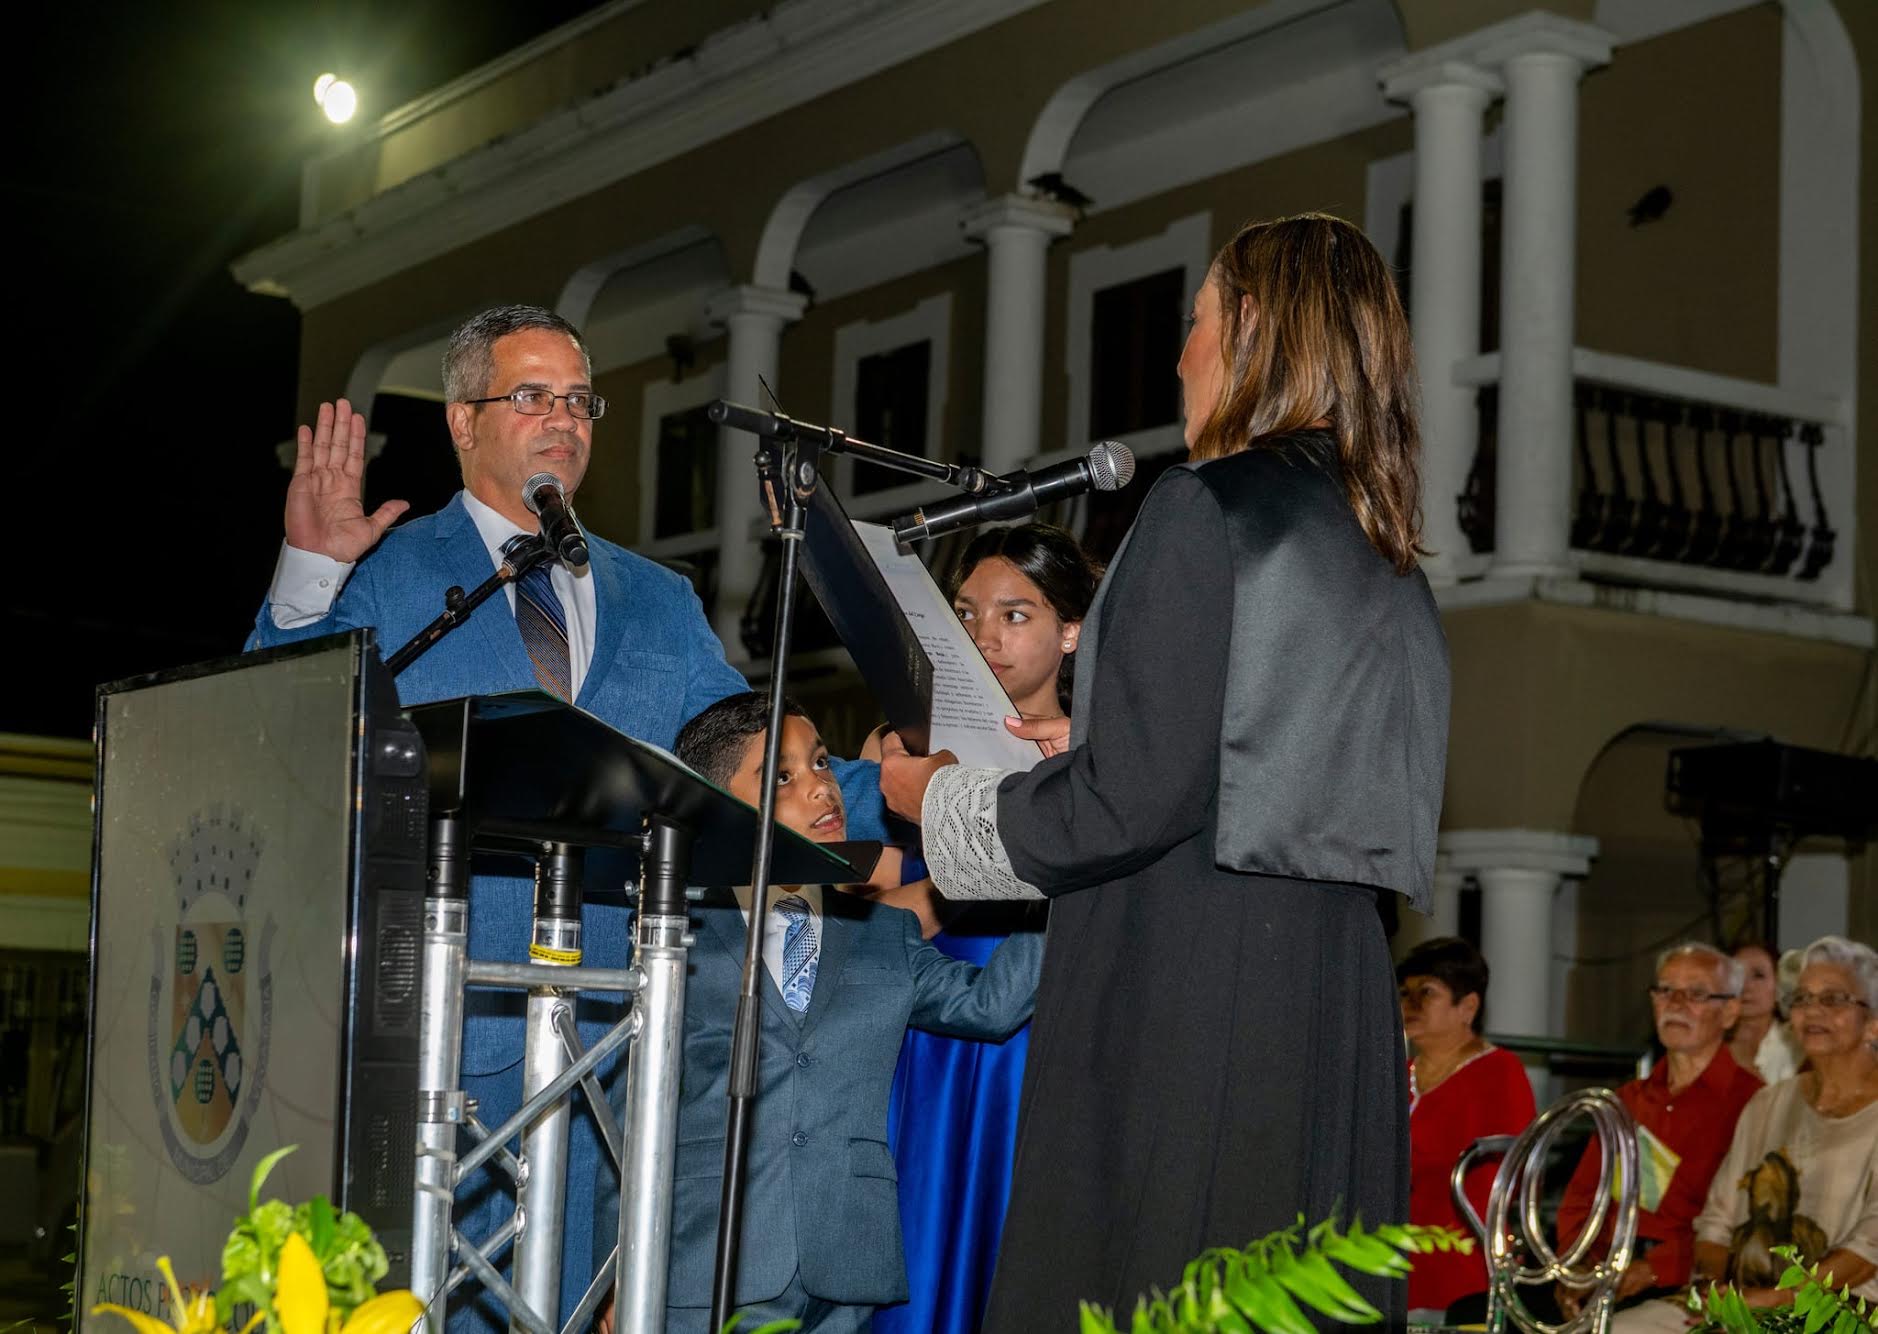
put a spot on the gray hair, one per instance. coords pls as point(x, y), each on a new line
point(469, 359)
point(1861, 961)
point(1731, 970)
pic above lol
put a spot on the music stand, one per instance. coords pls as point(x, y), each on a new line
point(869, 620)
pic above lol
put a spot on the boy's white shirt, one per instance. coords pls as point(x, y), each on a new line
point(773, 924)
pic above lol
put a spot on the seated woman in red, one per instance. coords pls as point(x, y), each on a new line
point(1460, 1087)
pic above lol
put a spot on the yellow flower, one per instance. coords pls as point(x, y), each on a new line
point(301, 1303)
point(300, 1299)
point(196, 1316)
point(387, 1313)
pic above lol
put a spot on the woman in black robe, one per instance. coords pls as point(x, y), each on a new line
point(1258, 748)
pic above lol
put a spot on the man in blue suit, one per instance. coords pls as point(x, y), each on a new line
point(624, 639)
point(843, 979)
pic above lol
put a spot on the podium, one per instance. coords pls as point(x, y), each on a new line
point(257, 901)
point(280, 913)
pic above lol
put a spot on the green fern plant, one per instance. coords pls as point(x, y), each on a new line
point(1816, 1308)
point(1261, 1286)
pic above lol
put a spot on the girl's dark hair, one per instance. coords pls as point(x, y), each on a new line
point(1453, 963)
point(1054, 561)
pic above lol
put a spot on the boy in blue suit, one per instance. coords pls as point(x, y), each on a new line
point(634, 649)
point(844, 980)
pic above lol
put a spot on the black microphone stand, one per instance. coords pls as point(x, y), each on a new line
point(521, 558)
point(788, 466)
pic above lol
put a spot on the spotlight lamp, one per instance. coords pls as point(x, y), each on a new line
point(337, 98)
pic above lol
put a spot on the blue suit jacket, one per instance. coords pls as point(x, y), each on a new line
point(656, 664)
point(821, 1191)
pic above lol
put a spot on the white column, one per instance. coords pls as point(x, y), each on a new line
point(1516, 937)
point(1449, 98)
point(1519, 872)
point(753, 319)
point(1541, 58)
point(1017, 232)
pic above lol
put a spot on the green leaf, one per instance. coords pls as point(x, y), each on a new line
point(1737, 1316)
point(1259, 1295)
point(321, 1226)
point(1327, 1291)
point(245, 1291)
point(261, 1169)
point(1365, 1254)
point(1095, 1320)
point(241, 1255)
point(1186, 1305)
point(271, 1223)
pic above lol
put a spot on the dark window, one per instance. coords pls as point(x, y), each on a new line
point(1110, 514)
point(687, 477)
point(890, 390)
point(1134, 346)
point(1489, 261)
point(418, 462)
point(701, 568)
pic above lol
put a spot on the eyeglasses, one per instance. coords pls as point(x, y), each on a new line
point(581, 403)
point(1690, 995)
point(1825, 1000)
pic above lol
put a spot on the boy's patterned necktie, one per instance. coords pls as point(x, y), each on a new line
point(799, 951)
point(543, 625)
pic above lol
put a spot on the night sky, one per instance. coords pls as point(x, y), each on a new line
point(152, 146)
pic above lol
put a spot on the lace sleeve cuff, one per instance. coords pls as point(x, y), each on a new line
point(959, 828)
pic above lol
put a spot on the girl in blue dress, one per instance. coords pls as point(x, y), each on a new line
point(1022, 593)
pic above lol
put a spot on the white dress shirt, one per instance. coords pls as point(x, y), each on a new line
point(306, 584)
point(774, 926)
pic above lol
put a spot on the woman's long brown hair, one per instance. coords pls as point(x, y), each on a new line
point(1311, 328)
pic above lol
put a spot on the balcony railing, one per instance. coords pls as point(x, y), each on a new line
point(1680, 477)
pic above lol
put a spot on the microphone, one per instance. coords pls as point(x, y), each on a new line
point(543, 495)
point(1108, 467)
point(775, 426)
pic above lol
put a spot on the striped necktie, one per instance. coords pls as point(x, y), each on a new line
point(543, 625)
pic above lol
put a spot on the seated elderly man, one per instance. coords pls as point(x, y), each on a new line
point(1685, 1111)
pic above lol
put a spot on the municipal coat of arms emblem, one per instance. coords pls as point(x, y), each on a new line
point(211, 996)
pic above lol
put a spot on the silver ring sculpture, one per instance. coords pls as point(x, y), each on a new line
point(1517, 1189)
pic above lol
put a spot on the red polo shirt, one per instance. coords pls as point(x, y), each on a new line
point(1698, 1124)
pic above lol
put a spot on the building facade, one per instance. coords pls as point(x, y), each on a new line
point(1634, 238)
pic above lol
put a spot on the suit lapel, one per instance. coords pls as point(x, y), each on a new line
point(609, 618)
point(726, 925)
point(837, 943)
point(467, 564)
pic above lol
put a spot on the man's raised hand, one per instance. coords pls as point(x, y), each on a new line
point(325, 505)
